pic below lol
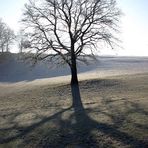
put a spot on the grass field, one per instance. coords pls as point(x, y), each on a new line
point(42, 116)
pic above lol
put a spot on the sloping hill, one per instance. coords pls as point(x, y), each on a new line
point(12, 69)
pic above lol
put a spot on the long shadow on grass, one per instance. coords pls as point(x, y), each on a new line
point(27, 130)
point(77, 130)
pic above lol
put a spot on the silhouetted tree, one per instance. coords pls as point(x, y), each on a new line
point(69, 30)
point(23, 42)
point(7, 36)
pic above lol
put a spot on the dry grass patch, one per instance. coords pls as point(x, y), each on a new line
point(117, 110)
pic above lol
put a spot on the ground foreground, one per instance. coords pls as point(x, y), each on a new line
point(39, 116)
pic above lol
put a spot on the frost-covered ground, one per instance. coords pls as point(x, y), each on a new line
point(14, 70)
point(16, 75)
point(35, 105)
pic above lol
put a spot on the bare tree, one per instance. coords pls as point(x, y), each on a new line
point(7, 37)
point(2, 35)
point(23, 42)
point(69, 29)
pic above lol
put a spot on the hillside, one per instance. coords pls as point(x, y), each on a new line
point(12, 69)
point(115, 115)
point(36, 111)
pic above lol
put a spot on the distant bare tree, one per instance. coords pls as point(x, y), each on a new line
point(69, 29)
point(2, 34)
point(23, 42)
point(7, 37)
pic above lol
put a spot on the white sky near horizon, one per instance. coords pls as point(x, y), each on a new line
point(134, 25)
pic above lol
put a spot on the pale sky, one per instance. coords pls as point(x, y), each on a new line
point(134, 24)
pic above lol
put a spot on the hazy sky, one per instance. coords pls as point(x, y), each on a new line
point(134, 24)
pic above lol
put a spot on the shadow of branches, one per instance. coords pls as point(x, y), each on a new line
point(74, 127)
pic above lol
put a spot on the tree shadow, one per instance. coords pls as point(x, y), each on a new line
point(77, 129)
point(25, 130)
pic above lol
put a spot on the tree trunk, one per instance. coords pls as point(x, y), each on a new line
point(76, 98)
point(2, 48)
point(7, 48)
point(74, 77)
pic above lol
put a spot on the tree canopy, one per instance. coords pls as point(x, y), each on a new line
point(68, 30)
point(53, 25)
